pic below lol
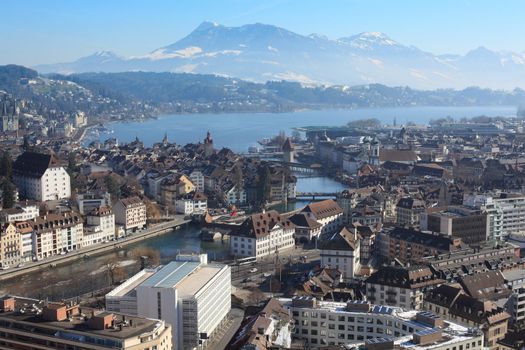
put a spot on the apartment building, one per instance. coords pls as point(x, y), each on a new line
point(468, 224)
point(130, 213)
point(454, 305)
point(408, 211)
point(54, 234)
point(33, 325)
point(40, 177)
point(25, 230)
point(100, 226)
point(192, 296)
point(88, 201)
point(515, 306)
point(10, 246)
point(363, 325)
point(410, 245)
point(505, 213)
point(341, 251)
point(400, 286)
point(261, 235)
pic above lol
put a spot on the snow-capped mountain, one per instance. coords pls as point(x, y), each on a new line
point(262, 52)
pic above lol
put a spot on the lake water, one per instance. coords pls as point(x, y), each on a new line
point(238, 131)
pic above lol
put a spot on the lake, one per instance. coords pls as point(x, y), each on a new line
point(238, 131)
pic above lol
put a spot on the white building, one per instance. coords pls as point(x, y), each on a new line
point(100, 226)
point(515, 280)
point(26, 235)
point(505, 213)
point(40, 177)
point(54, 234)
point(197, 177)
point(342, 251)
point(21, 212)
point(193, 297)
point(192, 204)
point(130, 213)
point(357, 323)
point(328, 213)
point(234, 196)
point(261, 235)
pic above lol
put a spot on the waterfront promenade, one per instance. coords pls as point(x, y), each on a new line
point(154, 230)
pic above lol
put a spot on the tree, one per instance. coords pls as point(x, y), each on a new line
point(153, 255)
point(113, 187)
point(114, 270)
point(364, 123)
point(8, 194)
point(6, 165)
point(238, 181)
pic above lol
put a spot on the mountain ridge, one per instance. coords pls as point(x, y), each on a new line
point(261, 52)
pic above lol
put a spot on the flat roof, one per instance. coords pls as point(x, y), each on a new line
point(129, 286)
point(170, 275)
point(194, 282)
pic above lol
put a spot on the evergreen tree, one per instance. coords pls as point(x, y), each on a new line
point(6, 165)
point(8, 194)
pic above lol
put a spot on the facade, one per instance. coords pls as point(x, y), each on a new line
point(515, 306)
point(26, 236)
point(505, 213)
point(328, 213)
point(356, 324)
point(461, 222)
point(193, 297)
point(100, 226)
point(197, 178)
point(408, 211)
point(400, 286)
point(88, 201)
point(21, 212)
point(263, 234)
point(341, 251)
point(130, 213)
point(306, 229)
point(288, 151)
point(55, 234)
point(40, 177)
point(10, 246)
point(66, 326)
point(409, 245)
point(451, 303)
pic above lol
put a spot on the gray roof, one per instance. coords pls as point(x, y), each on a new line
point(171, 274)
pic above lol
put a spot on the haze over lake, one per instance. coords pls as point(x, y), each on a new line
point(238, 131)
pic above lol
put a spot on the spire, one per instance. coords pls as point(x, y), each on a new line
point(165, 139)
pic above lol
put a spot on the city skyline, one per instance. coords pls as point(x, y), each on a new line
point(63, 31)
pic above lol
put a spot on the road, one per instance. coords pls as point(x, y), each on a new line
point(269, 265)
point(225, 333)
point(94, 249)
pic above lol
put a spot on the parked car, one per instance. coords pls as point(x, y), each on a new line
point(253, 270)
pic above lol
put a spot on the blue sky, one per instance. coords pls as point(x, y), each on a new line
point(36, 31)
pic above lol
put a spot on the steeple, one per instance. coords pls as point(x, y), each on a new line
point(165, 139)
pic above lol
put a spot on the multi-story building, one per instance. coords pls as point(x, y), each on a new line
point(458, 221)
point(197, 178)
point(454, 305)
point(505, 213)
point(362, 325)
point(341, 251)
point(192, 296)
point(306, 228)
point(20, 212)
point(10, 246)
point(408, 211)
point(88, 201)
point(262, 234)
point(409, 245)
point(40, 177)
point(32, 324)
point(100, 226)
point(400, 286)
point(328, 213)
point(515, 306)
point(54, 234)
point(26, 236)
point(130, 213)
point(192, 204)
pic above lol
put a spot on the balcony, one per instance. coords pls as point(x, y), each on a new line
point(391, 292)
point(391, 301)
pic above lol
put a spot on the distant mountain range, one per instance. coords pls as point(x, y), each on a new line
point(261, 52)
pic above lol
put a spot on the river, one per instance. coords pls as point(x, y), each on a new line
point(238, 131)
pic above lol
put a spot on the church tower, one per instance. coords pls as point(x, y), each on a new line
point(288, 151)
point(208, 145)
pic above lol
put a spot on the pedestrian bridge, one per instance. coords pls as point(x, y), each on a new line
point(314, 195)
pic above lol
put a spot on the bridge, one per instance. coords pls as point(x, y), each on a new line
point(299, 168)
point(313, 195)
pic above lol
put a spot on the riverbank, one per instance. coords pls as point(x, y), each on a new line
point(94, 250)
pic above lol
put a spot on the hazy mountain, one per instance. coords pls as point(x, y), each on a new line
point(260, 52)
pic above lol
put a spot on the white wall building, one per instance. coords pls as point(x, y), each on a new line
point(21, 212)
point(321, 323)
point(341, 251)
point(88, 201)
point(328, 213)
point(40, 177)
point(261, 235)
point(197, 177)
point(100, 226)
point(130, 213)
point(193, 297)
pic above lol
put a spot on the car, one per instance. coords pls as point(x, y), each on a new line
point(246, 280)
point(4, 267)
point(20, 265)
point(267, 274)
point(253, 270)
